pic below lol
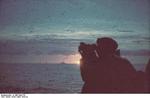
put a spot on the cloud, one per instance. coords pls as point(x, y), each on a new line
point(18, 16)
point(56, 27)
point(38, 47)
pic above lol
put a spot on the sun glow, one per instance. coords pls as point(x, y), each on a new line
point(78, 62)
point(73, 59)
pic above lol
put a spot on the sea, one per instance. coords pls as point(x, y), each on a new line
point(40, 78)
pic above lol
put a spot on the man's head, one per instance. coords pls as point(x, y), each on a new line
point(106, 45)
point(87, 51)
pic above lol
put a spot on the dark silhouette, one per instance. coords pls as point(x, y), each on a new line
point(103, 70)
point(148, 75)
point(140, 82)
point(88, 64)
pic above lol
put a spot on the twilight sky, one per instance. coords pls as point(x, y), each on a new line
point(54, 17)
point(55, 27)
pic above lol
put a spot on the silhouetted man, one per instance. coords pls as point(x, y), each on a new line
point(116, 73)
point(87, 67)
point(148, 75)
point(109, 72)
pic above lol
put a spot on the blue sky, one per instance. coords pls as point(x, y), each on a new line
point(56, 27)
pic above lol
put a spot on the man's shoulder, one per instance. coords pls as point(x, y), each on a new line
point(124, 63)
point(121, 59)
